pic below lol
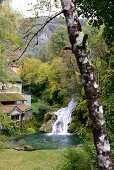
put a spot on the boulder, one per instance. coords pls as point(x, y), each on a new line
point(25, 148)
point(28, 148)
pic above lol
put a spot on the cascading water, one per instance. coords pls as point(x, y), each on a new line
point(63, 118)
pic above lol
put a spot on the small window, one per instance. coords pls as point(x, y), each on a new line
point(3, 87)
point(15, 117)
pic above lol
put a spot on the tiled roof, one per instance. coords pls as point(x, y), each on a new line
point(22, 107)
point(4, 97)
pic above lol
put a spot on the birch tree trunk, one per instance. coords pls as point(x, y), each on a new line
point(91, 88)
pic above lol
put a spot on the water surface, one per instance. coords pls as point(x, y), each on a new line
point(47, 141)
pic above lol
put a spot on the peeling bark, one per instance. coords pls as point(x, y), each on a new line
point(91, 87)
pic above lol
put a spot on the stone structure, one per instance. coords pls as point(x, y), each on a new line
point(15, 104)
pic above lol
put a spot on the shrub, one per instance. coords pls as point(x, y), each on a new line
point(80, 158)
point(30, 130)
point(8, 126)
point(39, 109)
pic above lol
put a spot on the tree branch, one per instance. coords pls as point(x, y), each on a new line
point(35, 34)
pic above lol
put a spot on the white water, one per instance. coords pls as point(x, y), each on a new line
point(63, 118)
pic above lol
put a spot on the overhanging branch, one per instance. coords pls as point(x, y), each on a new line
point(35, 34)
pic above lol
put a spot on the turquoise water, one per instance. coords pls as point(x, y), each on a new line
point(47, 141)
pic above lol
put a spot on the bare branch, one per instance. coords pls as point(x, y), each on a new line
point(32, 28)
point(35, 34)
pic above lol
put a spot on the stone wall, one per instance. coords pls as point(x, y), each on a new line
point(27, 97)
point(28, 115)
point(10, 87)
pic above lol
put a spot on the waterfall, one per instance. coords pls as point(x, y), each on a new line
point(63, 118)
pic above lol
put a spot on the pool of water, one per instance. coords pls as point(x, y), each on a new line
point(48, 141)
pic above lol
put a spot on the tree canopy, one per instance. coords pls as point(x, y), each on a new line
point(99, 12)
point(9, 37)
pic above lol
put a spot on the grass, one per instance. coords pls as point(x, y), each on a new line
point(35, 160)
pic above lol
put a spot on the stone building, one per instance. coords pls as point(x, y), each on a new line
point(14, 103)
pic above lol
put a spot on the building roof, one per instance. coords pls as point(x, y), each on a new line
point(6, 97)
point(13, 77)
point(22, 107)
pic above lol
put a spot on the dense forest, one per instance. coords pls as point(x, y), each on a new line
point(51, 75)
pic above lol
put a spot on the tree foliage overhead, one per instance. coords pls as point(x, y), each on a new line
point(58, 40)
point(9, 37)
point(99, 12)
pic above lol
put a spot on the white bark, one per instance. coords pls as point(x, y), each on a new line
point(91, 87)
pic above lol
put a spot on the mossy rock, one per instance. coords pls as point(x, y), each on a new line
point(49, 116)
point(49, 119)
point(47, 127)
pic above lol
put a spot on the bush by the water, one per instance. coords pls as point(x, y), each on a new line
point(80, 158)
point(39, 109)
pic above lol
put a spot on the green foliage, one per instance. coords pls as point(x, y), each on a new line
point(49, 119)
point(8, 29)
point(3, 74)
point(40, 159)
point(80, 158)
point(34, 71)
point(103, 60)
point(99, 12)
point(47, 127)
point(109, 34)
point(55, 81)
point(1, 146)
point(44, 53)
point(30, 130)
point(9, 38)
point(7, 125)
point(58, 41)
point(107, 97)
point(51, 80)
point(39, 110)
point(96, 44)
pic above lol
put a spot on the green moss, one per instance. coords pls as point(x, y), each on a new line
point(11, 97)
point(49, 119)
point(47, 127)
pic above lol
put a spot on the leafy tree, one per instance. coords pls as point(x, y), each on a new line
point(58, 41)
point(102, 60)
point(44, 53)
point(34, 71)
point(39, 110)
point(8, 29)
point(9, 38)
point(52, 49)
point(99, 12)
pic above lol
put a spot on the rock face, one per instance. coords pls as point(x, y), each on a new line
point(45, 34)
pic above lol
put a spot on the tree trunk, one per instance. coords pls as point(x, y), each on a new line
point(91, 87)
